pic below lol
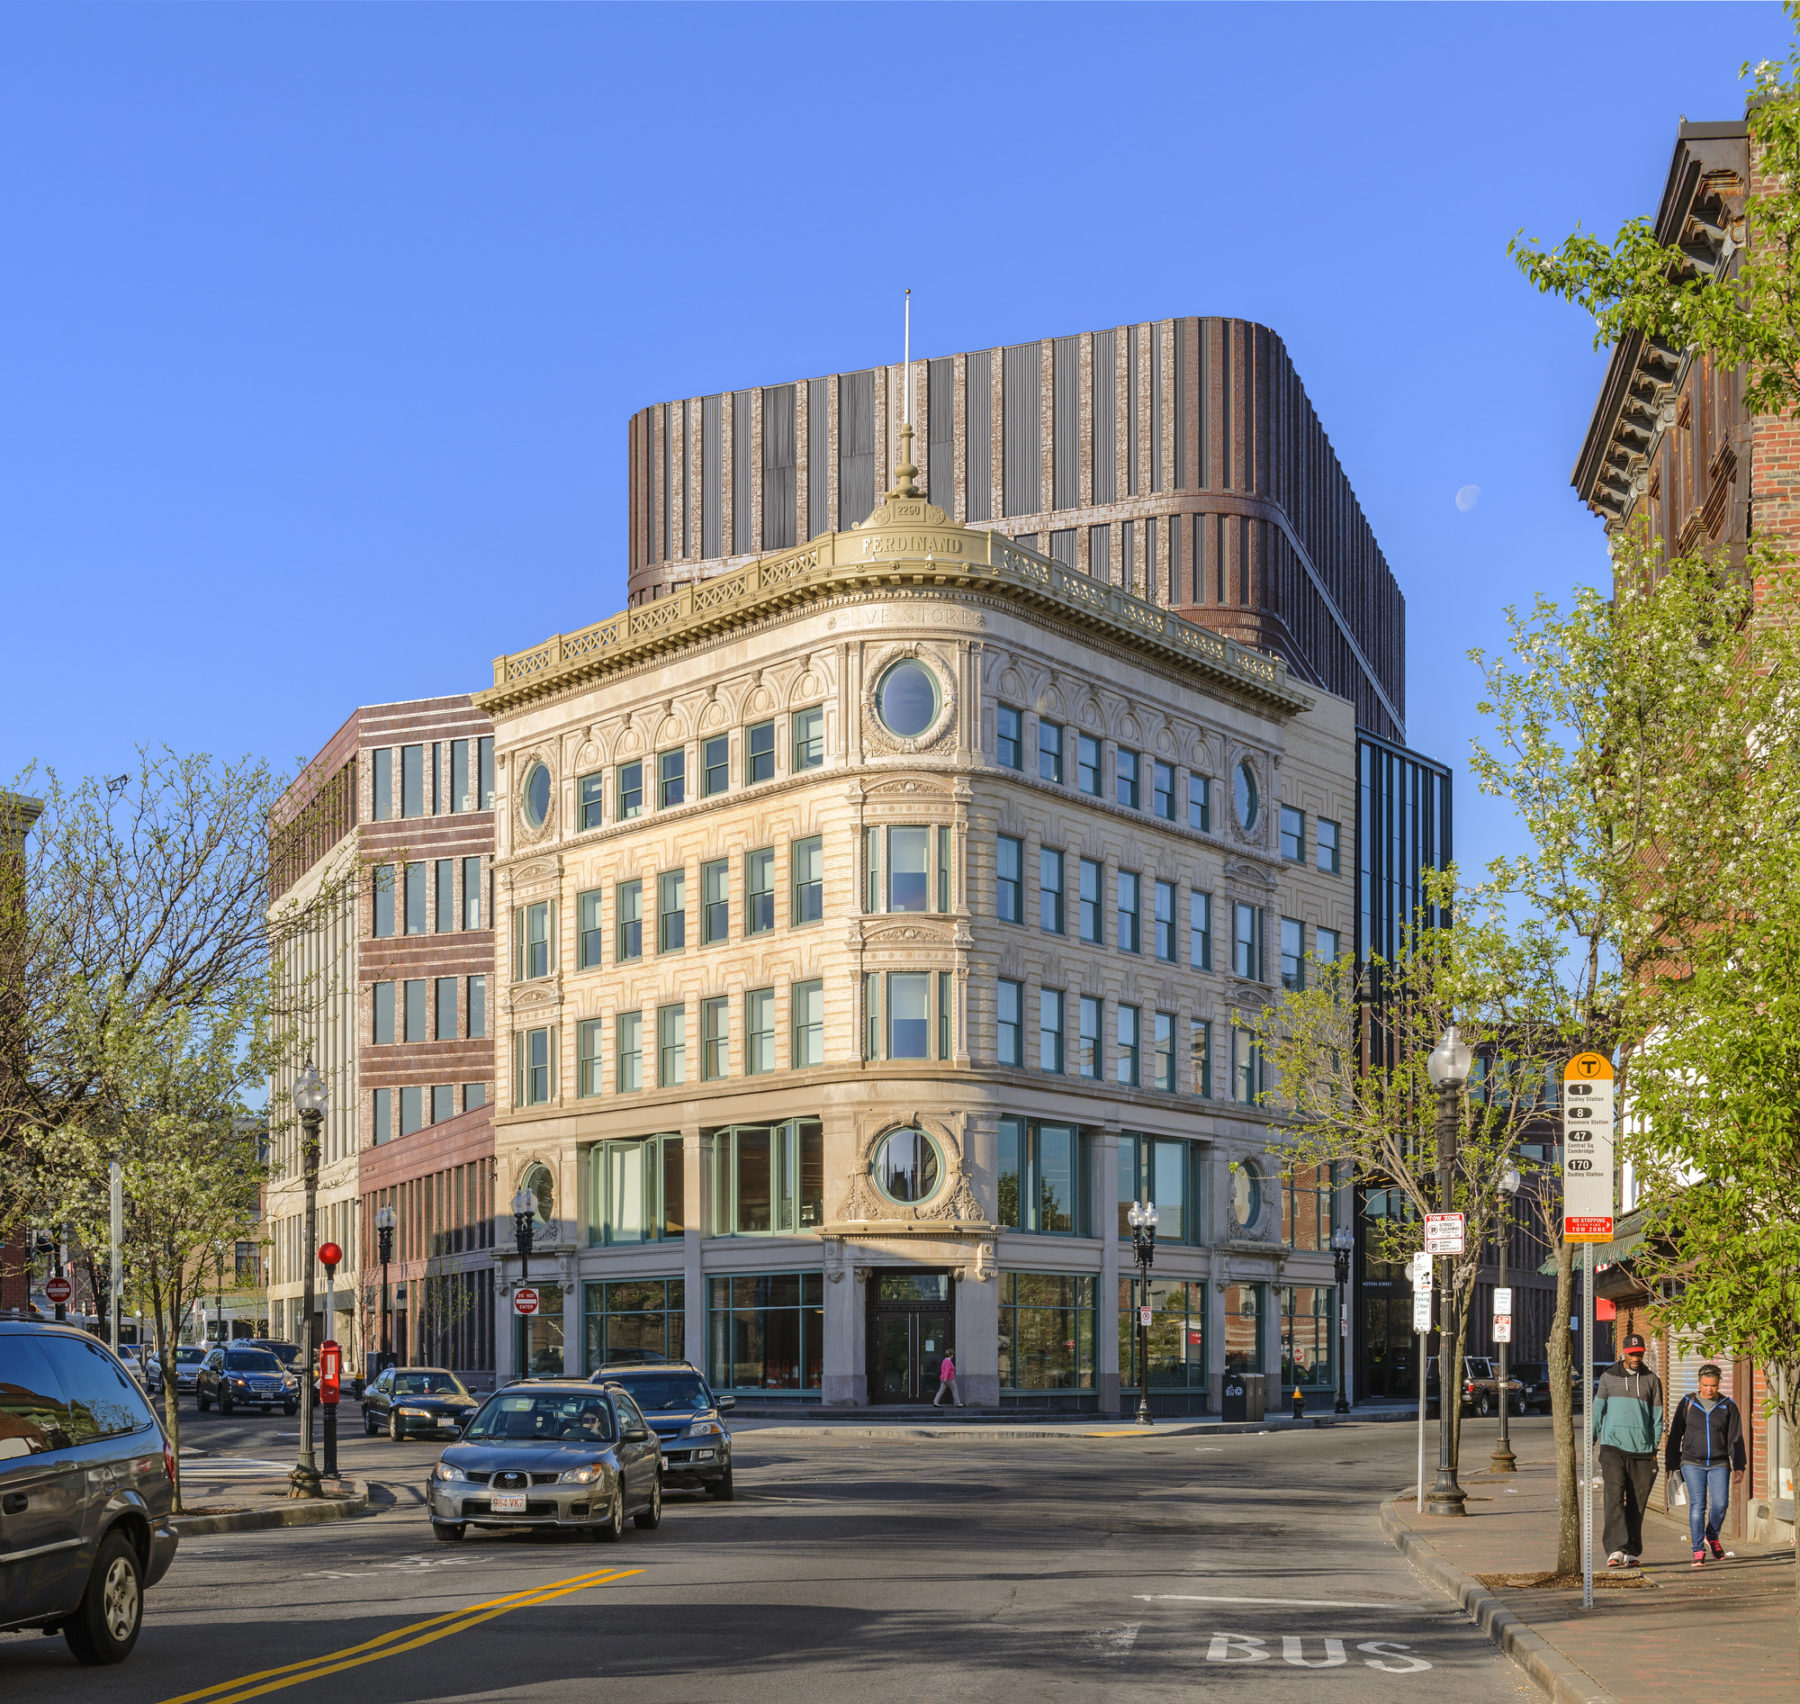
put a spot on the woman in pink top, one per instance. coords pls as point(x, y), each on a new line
point(947, 1381)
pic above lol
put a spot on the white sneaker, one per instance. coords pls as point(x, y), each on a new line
point(1630, 1560)
point(1616, 1560)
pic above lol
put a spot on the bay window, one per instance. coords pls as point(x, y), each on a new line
point(768, 1179)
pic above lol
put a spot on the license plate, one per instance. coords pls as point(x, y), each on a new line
point(508, 1502)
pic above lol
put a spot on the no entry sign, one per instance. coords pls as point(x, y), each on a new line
point(525, 1300)
point(58, 1289)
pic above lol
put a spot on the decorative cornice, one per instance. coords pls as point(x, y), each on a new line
point(905, 543)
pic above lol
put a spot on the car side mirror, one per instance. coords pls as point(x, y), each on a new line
point(725, 1402)
point(637, 1434)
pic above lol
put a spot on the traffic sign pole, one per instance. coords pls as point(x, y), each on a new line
point(1419, 1270)
point(1588, 1110)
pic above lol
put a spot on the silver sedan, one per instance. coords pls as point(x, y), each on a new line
point(550, 1454)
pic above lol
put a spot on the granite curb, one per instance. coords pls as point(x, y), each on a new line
point(339, 1507)
point(1562, 1681)
point(1013, 1434)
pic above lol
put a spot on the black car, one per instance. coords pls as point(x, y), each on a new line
point(551, 1453)
point(408, 1401)
point(243, 1377)
point(1534, 1376)
point(87, 1482)
point(687, 1419)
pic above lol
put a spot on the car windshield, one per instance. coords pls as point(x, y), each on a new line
point(428, 1383)
point(189, 1357)
point(519, 1417)
point(251, 1361)
point(285, 1353)
point(663, 1393)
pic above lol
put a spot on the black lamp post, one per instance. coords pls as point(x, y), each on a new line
point(1143, 1248)
point(524, 1206)
point(384, 1240)
point(1343, 1245)
point(1449, 1067)
point(310, 1101)
point(1503, 1459)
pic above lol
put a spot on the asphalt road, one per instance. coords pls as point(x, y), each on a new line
point(850, 1569)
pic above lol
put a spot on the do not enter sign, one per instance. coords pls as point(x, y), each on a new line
point(58, 1289)
point(525, 1300)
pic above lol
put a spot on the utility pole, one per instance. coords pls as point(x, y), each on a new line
point(310, 1101)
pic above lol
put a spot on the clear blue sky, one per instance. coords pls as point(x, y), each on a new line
point(320, 325)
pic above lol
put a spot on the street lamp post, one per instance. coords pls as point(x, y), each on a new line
point(524, 1208)
point(384, 1238)
point(219, 1292)
point(1503, 1459)
point(1143, 1248)
point(1449, 1068)
point(310, 1101)
point(1343, 1244)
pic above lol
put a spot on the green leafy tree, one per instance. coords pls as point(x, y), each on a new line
point(168, 1100)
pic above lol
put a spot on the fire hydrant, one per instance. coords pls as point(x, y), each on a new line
point(1299, 1404)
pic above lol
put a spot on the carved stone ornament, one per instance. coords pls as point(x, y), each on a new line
point(952, 1199)
point(1246, 870)
point(877, 736)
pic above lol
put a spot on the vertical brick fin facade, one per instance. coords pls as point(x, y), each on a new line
point(1184, 453)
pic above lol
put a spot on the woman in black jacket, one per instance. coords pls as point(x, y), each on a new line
point(1706, 1441)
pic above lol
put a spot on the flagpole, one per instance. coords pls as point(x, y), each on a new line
point(906, 390)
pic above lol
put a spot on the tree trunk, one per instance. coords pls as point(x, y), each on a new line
point(165, 1341)
point(1562, 1415)
point(1456, 1360)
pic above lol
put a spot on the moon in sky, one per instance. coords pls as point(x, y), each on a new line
point(1467, 496)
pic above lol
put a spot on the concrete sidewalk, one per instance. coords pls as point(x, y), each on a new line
point(1000, 1427)
point(1658, 1634)
point(225, 1495)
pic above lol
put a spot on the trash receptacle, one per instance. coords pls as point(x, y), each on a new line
point(1234, 1399)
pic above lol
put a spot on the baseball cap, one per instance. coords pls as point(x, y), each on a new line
point(1633, 1343)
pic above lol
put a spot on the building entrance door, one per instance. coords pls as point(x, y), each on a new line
point(912, 1326)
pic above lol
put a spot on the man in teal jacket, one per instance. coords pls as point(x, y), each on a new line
point(1628, 1422)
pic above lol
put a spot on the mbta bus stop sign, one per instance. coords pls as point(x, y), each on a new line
point(1588, 1149)
point(525, 1300)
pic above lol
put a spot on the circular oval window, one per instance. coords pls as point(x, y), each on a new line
point(1246, 1194)
point(541, 1187)
point(907, 1167)
point(1244, 795)
point(537, 795)
point(906, 698)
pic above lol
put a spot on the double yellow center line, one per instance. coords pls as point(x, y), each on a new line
point(392, 1644)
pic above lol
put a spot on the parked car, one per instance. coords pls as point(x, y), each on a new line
point(243, 1377)
point(1480, 1387)
point(686, 1417)
point(186, 1358)
point(408, 1401)
point(137, 1361)
point(87, 1482)
point(1534, 1380)
point(559, 1454)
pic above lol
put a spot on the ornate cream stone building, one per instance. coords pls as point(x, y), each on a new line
point(878, 912)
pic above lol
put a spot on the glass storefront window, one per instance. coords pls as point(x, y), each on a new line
point(1046, 1331)
point(767, 1332)
point(1243, 1328)
point(768, 1179)
point(621, 1319)
point(1042, 1174)
point(1308, 1335)
point(1163, 1170)
point(1176, 1337)
point(538, 1337)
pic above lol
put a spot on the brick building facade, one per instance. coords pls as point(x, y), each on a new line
point(1671, 449)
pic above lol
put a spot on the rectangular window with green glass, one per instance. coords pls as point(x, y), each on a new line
point(715, 1038)
point(1200, 803)
point(1093, 916)
point(1163, 1057)
point(1009, 1047)
point(671, 779)
point(635, 1190)
point(590, 801)
point(382, 889)
point(1246, 940)
point(588, 943)
point(587, 1057)
point(1089, 1055)
point(671, 1046)
point(1244, 1306)
point(1200, 1056)
point(768, 1179)
point(715, 901)
point(628, 909)
point(671, 911)
point(1199, 931)
point(628, 1028)
point(807, 1001)
point(1009, 867)
point(1042, 1172)
point(534, 1066)
point(759, 1031)
point(759, 891)
point(715, 765)
point(760, 745)
point(1293, 954)
point(634, 1319)
point(809, 739)
point(1128, 1042)
point(808, 880)
point(1308, 1336)
point(1087, 764)
point(631, 791)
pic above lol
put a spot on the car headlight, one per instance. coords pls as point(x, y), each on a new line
point(704, 1429)
point(580, 1475)
point(415, 1414)
point(448, 1470)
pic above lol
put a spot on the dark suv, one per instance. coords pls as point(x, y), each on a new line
point(86, 1486)
point(686, 1418)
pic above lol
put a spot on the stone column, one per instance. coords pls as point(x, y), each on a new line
point(978, 1332)
point(694, 1206)
point(1105, 1187)
point(845, 1383)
